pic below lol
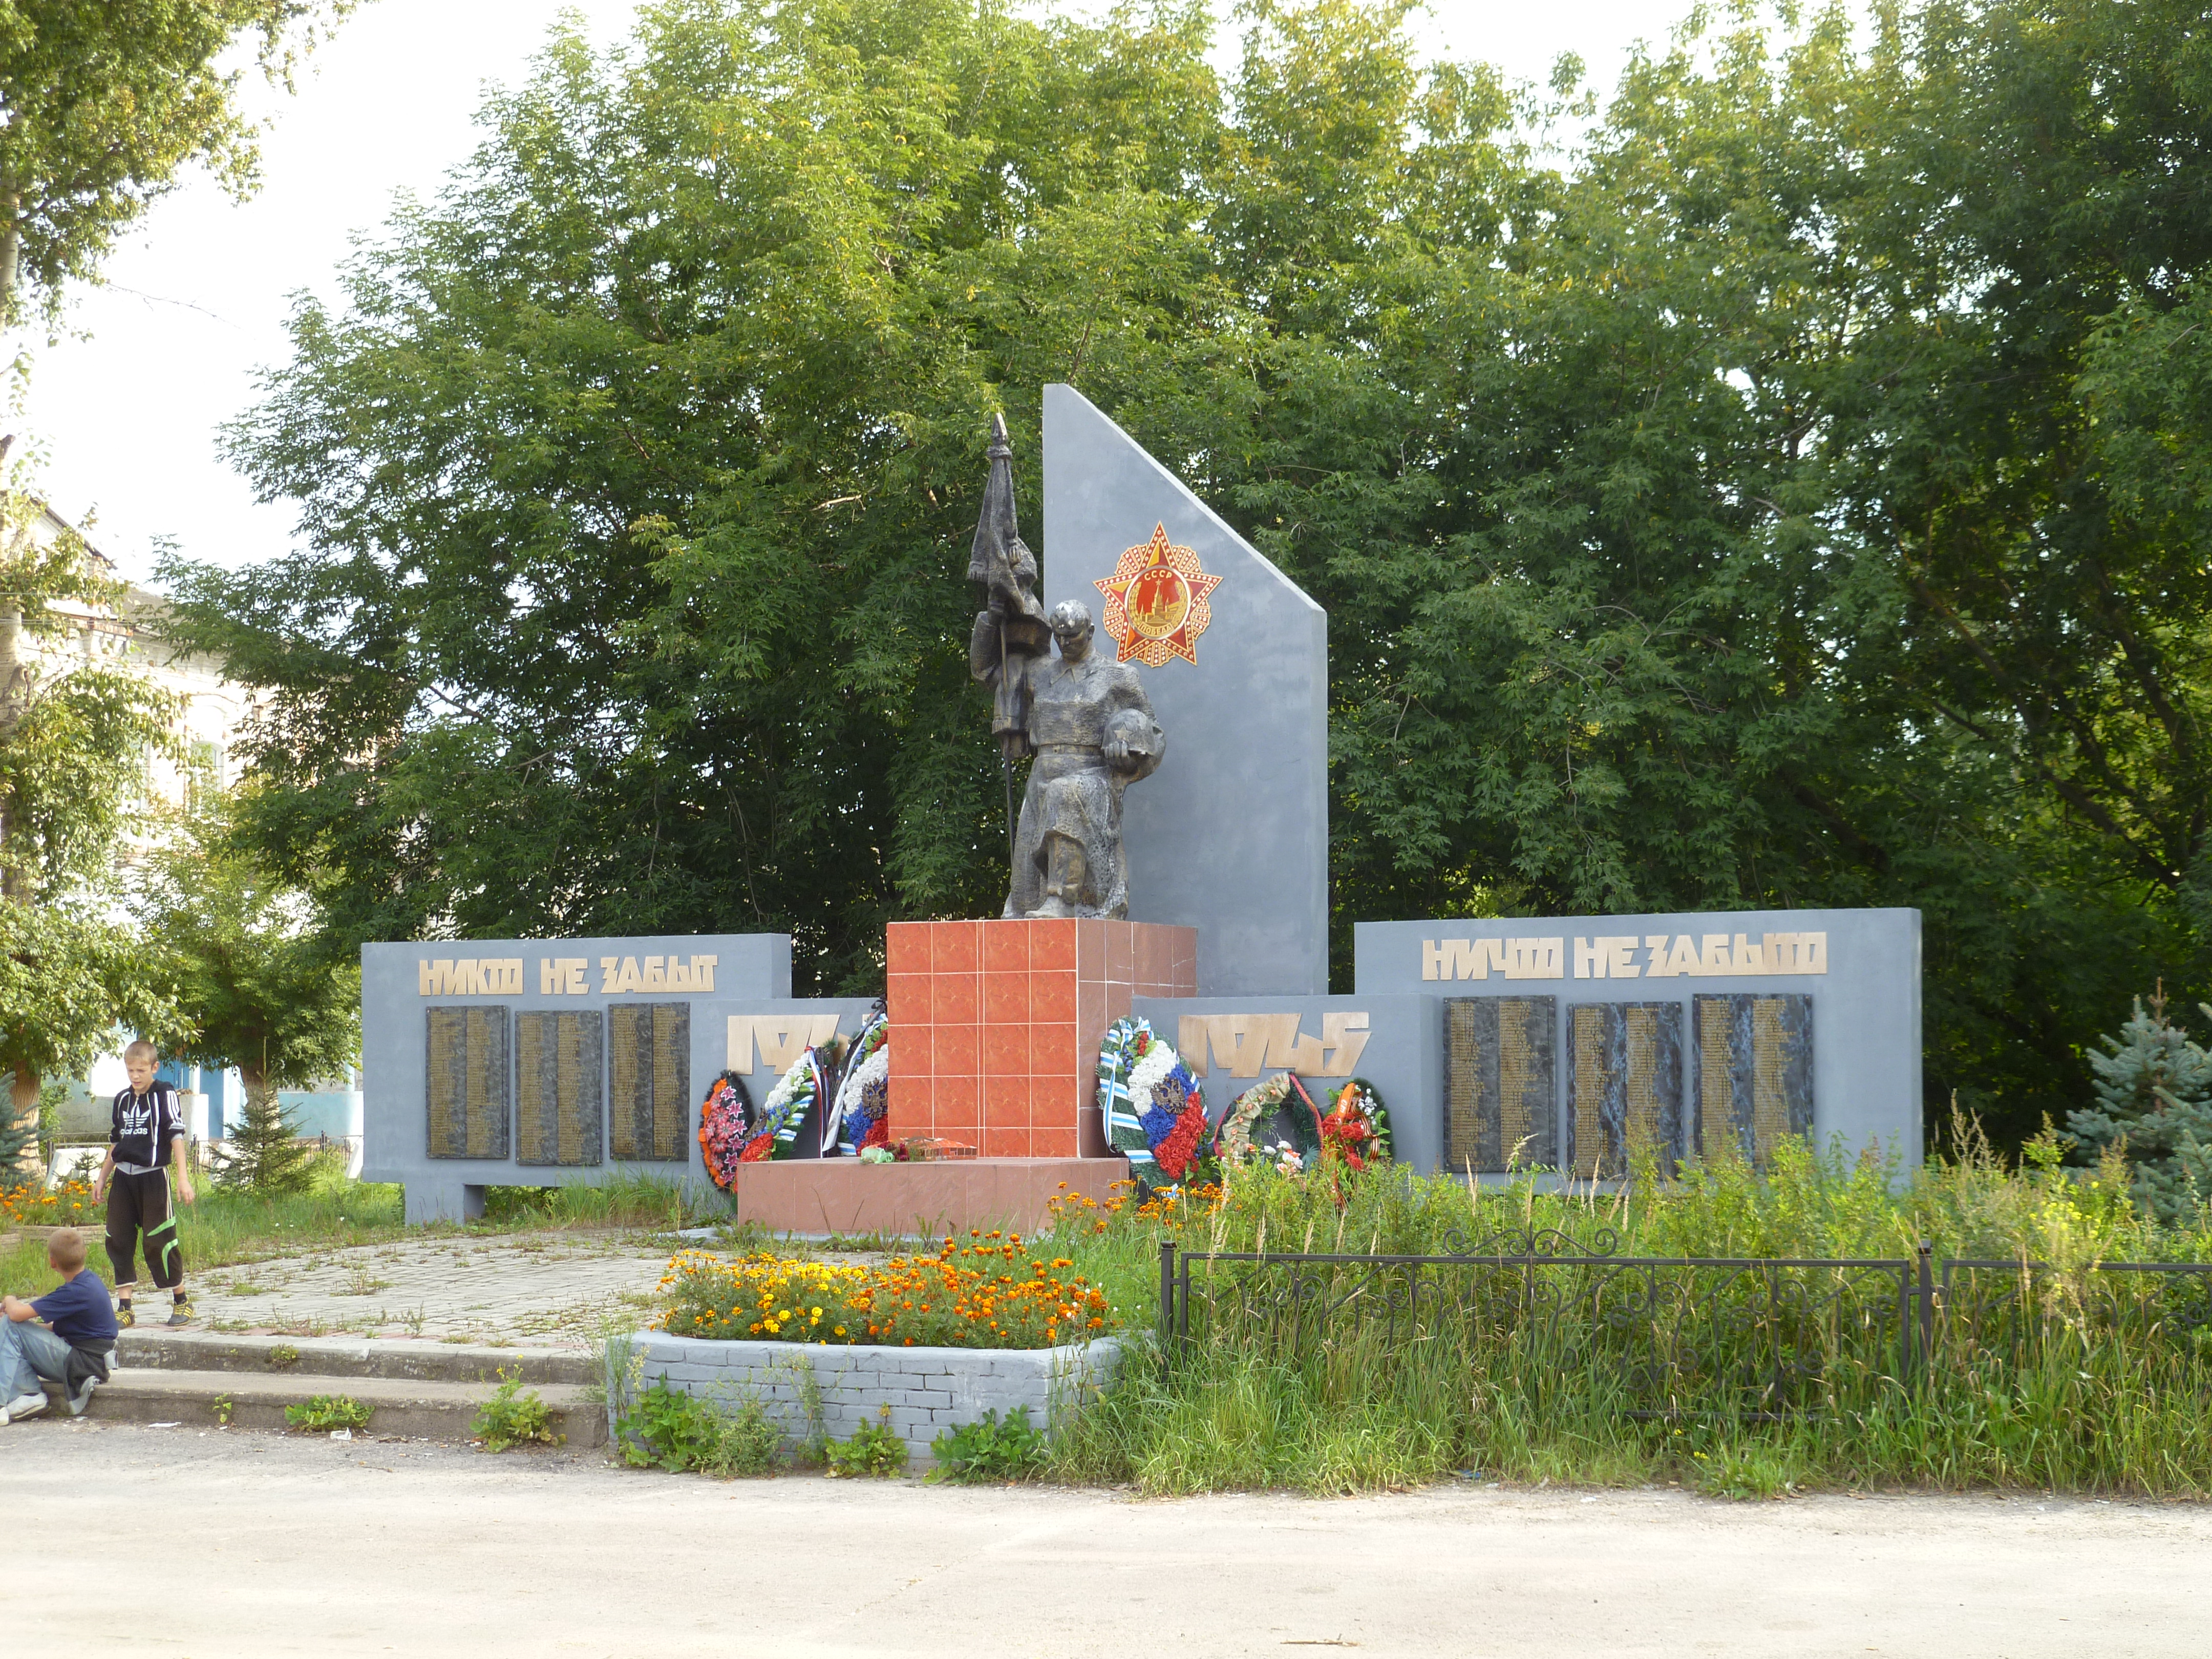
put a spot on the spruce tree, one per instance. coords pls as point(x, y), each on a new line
point(2155, 1096)
point(266, 1154)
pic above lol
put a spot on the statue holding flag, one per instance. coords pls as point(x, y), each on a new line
point(1084, 721)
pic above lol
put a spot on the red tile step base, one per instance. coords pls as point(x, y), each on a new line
point(917, 1201)
point(995, 1025)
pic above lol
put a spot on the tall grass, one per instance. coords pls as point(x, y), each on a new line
point(2089, 1385)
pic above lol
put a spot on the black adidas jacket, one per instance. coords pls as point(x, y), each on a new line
point(142, 1127)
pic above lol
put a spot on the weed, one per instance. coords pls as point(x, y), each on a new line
point(284, 1357)
point(875, 1449)
point(989, 1449)
point(669, 1429)
point(360, 1281)
point(735, 1237)
point(223, 1407)
point(814, 1451)
point(869, 1244)
point(513, 1416)
point(328, 1410)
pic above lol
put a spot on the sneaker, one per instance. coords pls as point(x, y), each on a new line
point(82, 1397)
point(123, 1317)
point(181, 1314)
point(26, 1405)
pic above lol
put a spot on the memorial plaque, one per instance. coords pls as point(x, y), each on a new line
point(467, 1082)
point(650, 1043)
point(1754, 1067)
point(1500, 1085)
point(1625, 1089)
point(560, 1086)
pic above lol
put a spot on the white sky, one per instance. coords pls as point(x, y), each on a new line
point(197, 296)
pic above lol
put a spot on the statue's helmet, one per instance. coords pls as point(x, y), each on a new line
point(1069, 618)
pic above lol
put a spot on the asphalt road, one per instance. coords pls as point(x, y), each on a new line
point(229, 1546)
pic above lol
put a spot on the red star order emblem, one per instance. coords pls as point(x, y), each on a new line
point(1156, 602)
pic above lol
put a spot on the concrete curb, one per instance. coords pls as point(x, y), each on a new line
point(419, 1410)
point(927, 1391)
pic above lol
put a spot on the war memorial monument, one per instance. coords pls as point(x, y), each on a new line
point(1167, 688)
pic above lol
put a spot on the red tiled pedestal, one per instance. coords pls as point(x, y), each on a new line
point(996, 1025)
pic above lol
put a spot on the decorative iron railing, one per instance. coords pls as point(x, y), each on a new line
point(1751, 1337)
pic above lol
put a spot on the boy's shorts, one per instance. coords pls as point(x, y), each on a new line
point(139, 1213)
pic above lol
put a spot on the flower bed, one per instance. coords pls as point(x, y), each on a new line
point(68, 1204)
point(988, 1293)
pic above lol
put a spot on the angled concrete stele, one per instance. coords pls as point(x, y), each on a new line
point(1231, 836)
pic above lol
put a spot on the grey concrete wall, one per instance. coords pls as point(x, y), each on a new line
point(929, 1390)
point(752, 981)
point(1866, 1001)
point(1403, 1055)
point(1231, 836)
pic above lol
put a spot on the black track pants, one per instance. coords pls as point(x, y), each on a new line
point(138, 1210)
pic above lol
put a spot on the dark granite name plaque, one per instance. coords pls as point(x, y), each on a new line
point(1754, 1071)
point(1624, 1086)
point(651, 1085)
point(467, 1082)
point(560, 1093)
point(1501, 1085)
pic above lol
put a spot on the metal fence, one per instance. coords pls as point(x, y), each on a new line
point(1751, 1337)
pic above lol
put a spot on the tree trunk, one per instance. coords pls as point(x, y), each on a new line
point(11, 252)
point(23, 1115)
point(14, 883)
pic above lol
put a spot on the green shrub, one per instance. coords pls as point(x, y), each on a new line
point(328, 1410)
point(668, 1429)
point(513, 1417)
point(876, 1450)
point(990, 1449)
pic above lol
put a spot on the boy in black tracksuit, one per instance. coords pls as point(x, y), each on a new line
point(145, 1130)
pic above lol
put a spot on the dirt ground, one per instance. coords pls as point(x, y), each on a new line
point(226, 1545)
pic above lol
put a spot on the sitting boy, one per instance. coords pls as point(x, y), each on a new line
point(72, 1349)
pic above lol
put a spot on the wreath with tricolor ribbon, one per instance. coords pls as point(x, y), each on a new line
point(863, 1105)
point(1155, 1116)
point(812, 1077)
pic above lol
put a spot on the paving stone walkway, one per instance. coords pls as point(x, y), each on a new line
point(534, 1290)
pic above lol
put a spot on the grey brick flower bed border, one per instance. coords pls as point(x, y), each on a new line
point(928, 1390)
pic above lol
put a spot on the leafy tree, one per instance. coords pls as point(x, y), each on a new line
point(107, 101)
point(1798, 501)
point(688, 652)
point(259, 989)
point(2153, 1089)
point(74, 733)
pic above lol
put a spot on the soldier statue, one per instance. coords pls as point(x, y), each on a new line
point(1085, 720)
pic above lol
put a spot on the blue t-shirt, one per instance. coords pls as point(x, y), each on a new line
point(78, 1309)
